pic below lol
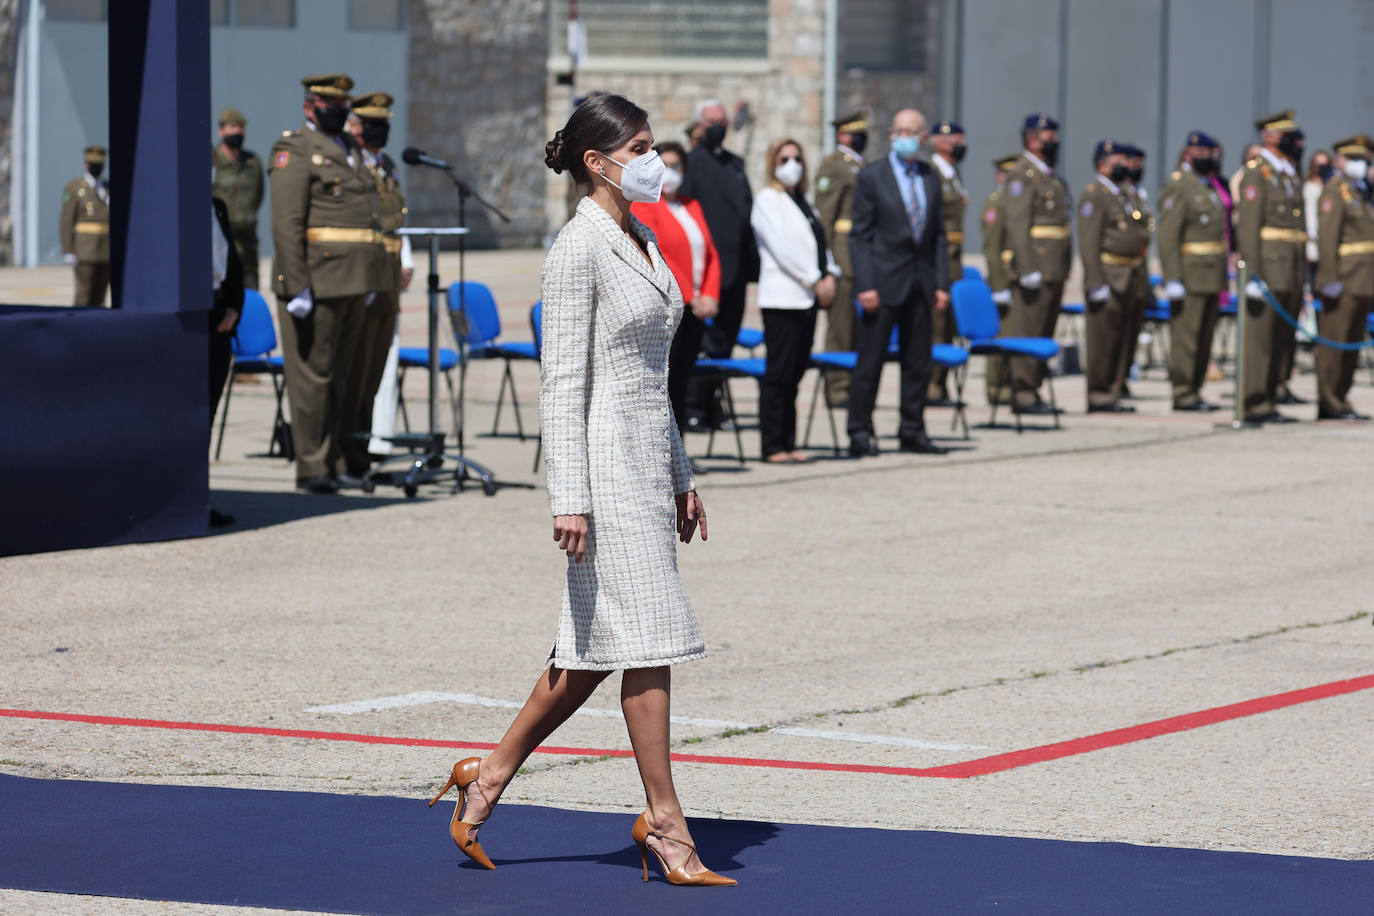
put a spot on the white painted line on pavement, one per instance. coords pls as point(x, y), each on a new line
point(470, 699)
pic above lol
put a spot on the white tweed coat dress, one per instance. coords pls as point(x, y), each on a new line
point(611, 446)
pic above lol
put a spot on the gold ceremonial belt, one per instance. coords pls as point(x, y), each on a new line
point(1349, 248)
point(92, 228)
point(331, 234)
point(954, 238)
point(1122, 260)
point(1203, 248)
point(1274, 234)
point(844, 225)
point(1050, 232)
point(392, 245)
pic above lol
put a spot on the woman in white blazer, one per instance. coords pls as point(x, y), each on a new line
point(796, 274)
point(620, 485)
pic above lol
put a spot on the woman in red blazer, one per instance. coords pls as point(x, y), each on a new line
point(686, 244)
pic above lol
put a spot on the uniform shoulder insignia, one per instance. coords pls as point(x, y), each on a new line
point(1175, 175)
point(1251, 163)
point(288, 133)
point(823, 183)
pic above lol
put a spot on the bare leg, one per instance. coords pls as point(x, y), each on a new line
point(556, 695)
point(645, 695)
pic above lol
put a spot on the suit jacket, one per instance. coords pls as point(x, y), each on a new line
point(716, 180)
point(230, 292)
point(886, 256)
point(677, 250)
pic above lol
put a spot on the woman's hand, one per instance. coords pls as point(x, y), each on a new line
point(825, 291)
point(705, 307)
point(570, 531)
point(690, 514)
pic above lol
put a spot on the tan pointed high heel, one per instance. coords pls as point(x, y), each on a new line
point(464, 776)
point(641, 833)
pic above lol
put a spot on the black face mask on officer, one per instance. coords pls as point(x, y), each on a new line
point(1119, 173)
point(1291, 144)
point(1135, 174)
point(1049, 152)
point(233, 141)
point(95, 168)
point(957, 153)
point(375, 132)
point(1205, 165)
point(858, 142)
point(714, 135)
point(330, 119)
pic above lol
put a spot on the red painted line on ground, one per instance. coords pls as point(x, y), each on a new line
point(982, 766)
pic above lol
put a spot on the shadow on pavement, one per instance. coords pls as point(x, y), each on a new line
point(254, 509)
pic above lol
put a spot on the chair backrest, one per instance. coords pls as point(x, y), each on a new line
point(975, 314)
point(537, 325)
point(475, 302)
point(971, 273)
point(255, 335)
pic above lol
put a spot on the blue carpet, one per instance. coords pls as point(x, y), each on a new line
point(369, 854)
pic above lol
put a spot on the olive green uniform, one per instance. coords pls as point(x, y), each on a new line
point(379, 318)
point(834, 198)
point(1271, 237)
point(84, 227)
point(1140, 297)
point(240, 185)
point(1112, 238)
point(1035, 208)
point(326, 225)
point(954, 201)
point(1192, 251)
point(1345, 255)
point(998, 256)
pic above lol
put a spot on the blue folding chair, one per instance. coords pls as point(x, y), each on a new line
point(971, 273)
point(721, 371)
point(750, 339)
point(975, 316)
point(254, 340)
point(418, 358)
point(474, 302)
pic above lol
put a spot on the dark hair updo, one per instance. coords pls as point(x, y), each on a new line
point(602, 123)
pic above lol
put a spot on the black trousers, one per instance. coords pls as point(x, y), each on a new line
point(912, 320)
point(787, 337)
point(682, 356)
point(221, 355)
point(718, 342)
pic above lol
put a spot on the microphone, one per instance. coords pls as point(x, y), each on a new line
point(413, 156)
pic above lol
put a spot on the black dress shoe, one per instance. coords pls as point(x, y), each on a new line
point(1038, 409)
point(1274, 417)
point(350, 481)
point(921, 445)
point(1348, 416)
point(1196, 407)
point(321, 484)
point(220, 519)
point(862, 447)
point(945, 401)
point(1118, 407)
point(1287, 397)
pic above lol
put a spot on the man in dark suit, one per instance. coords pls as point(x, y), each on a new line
point(715, 179)
point(901, 270)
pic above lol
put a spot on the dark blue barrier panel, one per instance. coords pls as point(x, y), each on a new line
point(104, 427)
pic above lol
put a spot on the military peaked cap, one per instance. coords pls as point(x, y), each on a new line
point(232, 116)
point(1106, 148)
point(333, 85)
point(1198, 138)
point(1358, 145)
point(947, 128)
point(1040, 122)
point(852, 124)
point(1282, 121)
point(95, 154)
point(376, 105)
point(1006, 162)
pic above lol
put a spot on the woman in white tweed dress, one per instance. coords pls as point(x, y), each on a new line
point(620, 484)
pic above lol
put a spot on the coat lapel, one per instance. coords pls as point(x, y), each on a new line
point(656, 272)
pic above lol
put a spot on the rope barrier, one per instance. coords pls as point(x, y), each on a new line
point(1293, 323)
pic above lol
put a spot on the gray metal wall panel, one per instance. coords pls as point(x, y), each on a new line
point(1316, 48)
point(72, 113)
point(1208, 90)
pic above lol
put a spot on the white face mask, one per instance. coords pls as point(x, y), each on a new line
point(641, 179)
point(1357, 169)
point(789, 173)
point(672, 180)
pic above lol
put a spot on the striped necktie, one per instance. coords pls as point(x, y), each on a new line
point(915, 213)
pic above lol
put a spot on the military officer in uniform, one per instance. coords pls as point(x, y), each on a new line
point(239, 183)
point(997, 256)
point(948, 148)
point(1112, 239)
point(834, 197)
point(84, 227)
point(329, 262)
point(1345, 274)
point(1271, 237)
point(1193, 255)
point(1036, 210)
point(370, 125)
point(1141, 297)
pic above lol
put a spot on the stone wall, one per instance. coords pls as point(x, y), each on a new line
point(8, 56)
point(783, 92)
point(478, 71)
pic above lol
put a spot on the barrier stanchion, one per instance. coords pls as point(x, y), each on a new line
point(1238, 420)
